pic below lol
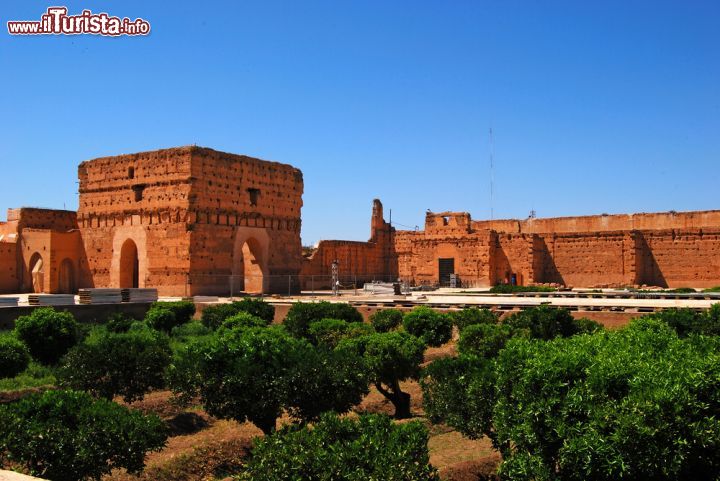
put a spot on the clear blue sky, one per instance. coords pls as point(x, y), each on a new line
point(609, 106)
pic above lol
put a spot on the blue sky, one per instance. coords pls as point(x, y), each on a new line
point(596, 107)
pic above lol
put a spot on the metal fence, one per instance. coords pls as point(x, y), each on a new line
point(291, 284)
point(288, 284)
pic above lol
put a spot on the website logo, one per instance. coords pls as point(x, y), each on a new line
point(56, 21)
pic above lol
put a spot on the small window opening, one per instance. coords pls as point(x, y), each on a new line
point(446, 220)
point(138, 190)
point(131, 172)
point(254, 195)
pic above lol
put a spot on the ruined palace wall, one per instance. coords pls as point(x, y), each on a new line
point(512, 254)
point(48, 233)
point(680, 258)
point(587, 259)
point(667, 258)
point(361, 261)
point(163, 251)
point(37, 218)
point(9, 258)
point(237, 200)
point(53, 247)
point(217, 255)
point(7, 229)
point(222, 185)
point(358, 262)
point(142, 197)
point(153, 184)
point(189, 211)
point(404, 247)
point(9, 280)
point(34, 242)
point(665, 249)
point(604, 223)
point(67, 246)
point(444, 223)
point(418, 255)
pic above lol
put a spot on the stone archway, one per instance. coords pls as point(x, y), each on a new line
point(66, 280)
point(37, 273)
point(129, 265)
point(250, 260)
point(122, 271)
point(253, 275)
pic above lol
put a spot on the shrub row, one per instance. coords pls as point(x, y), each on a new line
point(510, 288)
point(68, 435)
point(371, 447)
point(636, 403)
point(249, 370)
point(214, 316)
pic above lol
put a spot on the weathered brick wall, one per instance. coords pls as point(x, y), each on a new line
point(448, 235)
point(404, 248)
point(445, 223)
point(142, 197)
point(68, 264)
point(210, 222)
point(54, 248)
point(241, 200)
point(51, 235)
point(677, 258)
point(665, 249)
point(361, 261)
point(36, 218)
point(163, 251)
point(222, 185)
point(587, 259)
point(604, 223)
point(35, 242)
point(108, 185)
point(357, 261)
point(190, 211)
point(9, 281)
point(418, 256)
point(513, 254)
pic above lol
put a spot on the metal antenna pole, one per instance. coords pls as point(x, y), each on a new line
point(492, 172)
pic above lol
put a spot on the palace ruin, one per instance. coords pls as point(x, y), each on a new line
point(195, 221)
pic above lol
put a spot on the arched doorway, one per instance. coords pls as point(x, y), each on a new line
point(129, 265)
point(37, 273)
point(250, 259)
point(66, 281)
point(252, 266)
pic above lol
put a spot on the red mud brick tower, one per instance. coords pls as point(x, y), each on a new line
point(191, 220)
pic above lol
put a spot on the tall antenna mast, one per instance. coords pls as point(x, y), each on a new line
point(492, 172)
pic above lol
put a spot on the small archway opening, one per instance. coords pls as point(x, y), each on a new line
point(129, 265)
point(37, 273)
point(66, 281)
point(253, 273)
